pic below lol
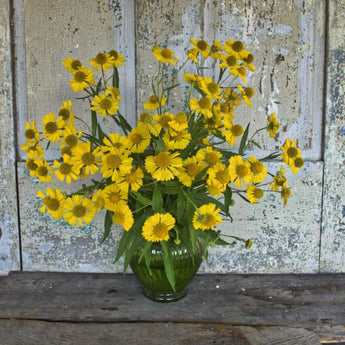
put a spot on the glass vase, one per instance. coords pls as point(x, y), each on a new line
point(155, 283)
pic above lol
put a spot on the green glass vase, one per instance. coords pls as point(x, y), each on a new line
point(155, 283)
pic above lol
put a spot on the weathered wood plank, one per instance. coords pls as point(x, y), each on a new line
point(15, 332)
point(333, 223)
point(279, 335)
point(315, 302)
point(18, 332)
point(9, 231)
point(81, 30)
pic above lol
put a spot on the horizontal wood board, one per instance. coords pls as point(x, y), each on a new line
point(315, 302)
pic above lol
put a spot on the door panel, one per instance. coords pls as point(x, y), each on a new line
point(287, 39)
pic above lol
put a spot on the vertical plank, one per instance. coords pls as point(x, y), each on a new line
point(79, 29)
point(9, 232)
point(333, 227)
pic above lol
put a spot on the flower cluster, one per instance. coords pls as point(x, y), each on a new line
point(174, 176)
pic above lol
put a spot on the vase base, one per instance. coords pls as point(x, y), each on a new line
point(165, 297)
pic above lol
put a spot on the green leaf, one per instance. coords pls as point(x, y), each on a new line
point(227, 199)
point(107, 225)
point(171, 87)
point(157, 199)
point(144, 201)
point(98, 87)
point(255, 143)
point(132, 249)
point(101, 134)
point(115, 78)
point(190, 209)
point(243, 141)
point(94, 123)
point(145, 250)
point(168, 264)
point(180, 207)
point(127, 235)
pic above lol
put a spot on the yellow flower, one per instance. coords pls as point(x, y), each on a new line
point(220, 173)
point(123, 215)
point(156, 228)
point(104, 105)
point(31, 132)
point(190, 169)
point(164, 166)
point(65, 113)
point(139, 139)
point(43, 170)
point(272, 125)
point(161, 121)
point(132, 179)
point(82, 78)
point(211, 89)
point(164, 55)
point(192, 55)
point(201, 106)
point(66, 170)
point(245, 92)
point(239, 171)
point(98, 200)
point(258, 169)
point(33, 151)
point(113, 92)
point(84, 158)
point(72, 65)
point(78, 209)
point(254, 193)
point(247, 62)
point(118, 58)
point(232, 132)
point(206, 217)
point(114, 162)
point(31, 166)
point(52, 202)
point(285, 194)
point(112, 195)
point(214, 187)
point(179, 122)
point(279, 180)
point(51, 127)
point(236, 48)
point(177, 141)
point(209, 156)
point(115, 141)
point(70, 136)
point(103, 61)
point(297, 164)
point(216, 49)
point(291, 152)
point(154, 103)
point(201, 46)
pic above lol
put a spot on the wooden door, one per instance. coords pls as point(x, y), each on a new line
point(297, 59)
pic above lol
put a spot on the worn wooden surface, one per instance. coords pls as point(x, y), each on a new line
point(249, 309)
point(314, 302)
point(9, 234)
point(15, 332)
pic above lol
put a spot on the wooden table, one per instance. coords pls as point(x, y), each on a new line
point(84, 308)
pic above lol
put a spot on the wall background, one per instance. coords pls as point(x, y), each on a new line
point(299, 56)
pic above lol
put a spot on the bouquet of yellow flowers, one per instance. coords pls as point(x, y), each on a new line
point(173, 177)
